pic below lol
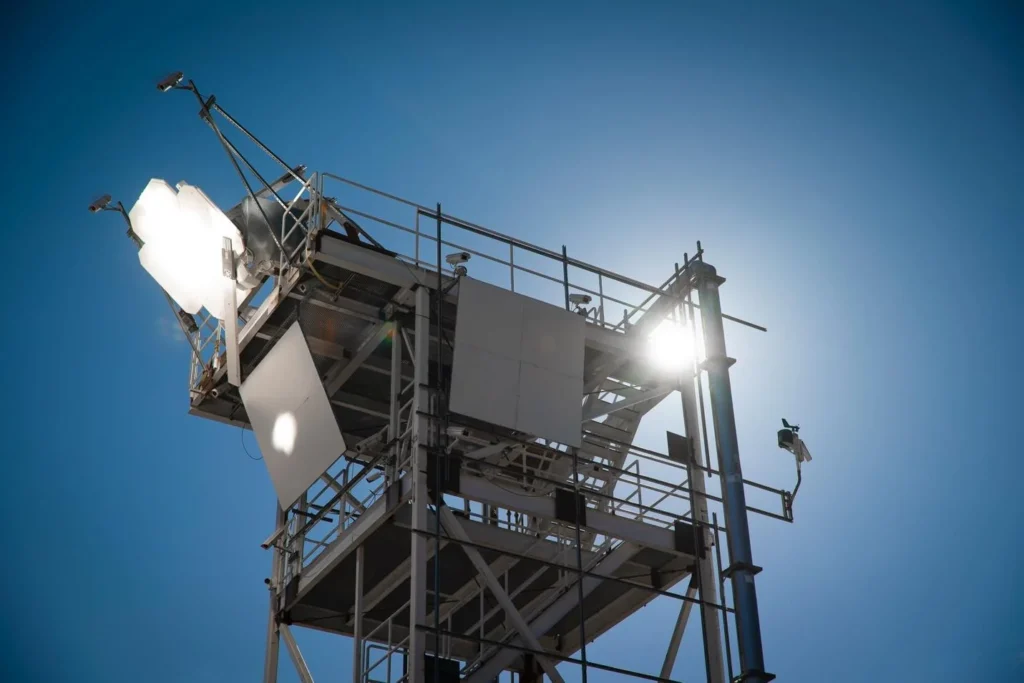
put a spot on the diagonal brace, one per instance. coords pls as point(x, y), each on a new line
point(295, 653)
point(341, 371)
point(455, 530)
point(630, 398)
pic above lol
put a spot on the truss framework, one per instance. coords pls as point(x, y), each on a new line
point(578, 549)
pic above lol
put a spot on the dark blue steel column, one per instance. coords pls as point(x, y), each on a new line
point(741, 570)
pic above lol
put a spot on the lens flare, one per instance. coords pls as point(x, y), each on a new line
point(670, 347)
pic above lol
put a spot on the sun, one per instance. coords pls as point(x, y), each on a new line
point(670, 347)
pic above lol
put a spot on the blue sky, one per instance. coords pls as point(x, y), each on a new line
point(853, 169)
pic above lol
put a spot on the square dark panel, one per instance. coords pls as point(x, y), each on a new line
point(447, 669)
point(566, 504)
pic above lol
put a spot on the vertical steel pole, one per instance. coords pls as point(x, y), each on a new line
point(357, 627)
point(742, 569)
point(394, 422)
point(579, 511)
point(440, 459)
point(705, 570)
point(270, 658)
point(420, 444)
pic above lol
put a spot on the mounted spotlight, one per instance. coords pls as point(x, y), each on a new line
point(580, 301)
point(100, 203)
point(456, 260)
point(170, 82)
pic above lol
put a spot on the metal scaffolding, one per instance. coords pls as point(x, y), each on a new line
point(451, 549)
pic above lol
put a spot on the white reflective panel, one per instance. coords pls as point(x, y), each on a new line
point(484, 385)
point(550, 405)
point(553, 338)
point(489, 318)
point(292, 417)
point(518, 363)
point(182, 234)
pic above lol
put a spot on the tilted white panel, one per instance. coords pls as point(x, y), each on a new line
point(518, 363)
point(291, 414)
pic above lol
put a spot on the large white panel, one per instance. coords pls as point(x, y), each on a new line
point(518, 363)
point(489, 318)
point(291, 414)
point(553, 338)
point(485, 386)
point(550, 405)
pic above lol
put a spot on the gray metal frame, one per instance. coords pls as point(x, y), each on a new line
point(540, 571)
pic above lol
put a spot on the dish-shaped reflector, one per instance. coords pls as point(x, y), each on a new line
point(183, 233)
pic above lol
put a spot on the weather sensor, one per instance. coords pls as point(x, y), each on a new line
point(790, 441)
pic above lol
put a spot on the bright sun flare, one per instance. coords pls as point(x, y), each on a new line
point(670, 347)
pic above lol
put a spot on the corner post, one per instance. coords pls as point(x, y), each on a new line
point(273, 650)
point(742, 569)
point(418, 467)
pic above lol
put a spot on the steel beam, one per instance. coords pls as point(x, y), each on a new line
point(273, 646)
point(455, 530)
point(420, 443)
point(341, 371)
point(369, 262)
point(368, 522)
point(357, 626)
point(607, 524)
point(551, 615)
point(630, 398)
point(678, 630)
point(395, 402)
point(706, 580)
point(234, 363)
point(293, 650)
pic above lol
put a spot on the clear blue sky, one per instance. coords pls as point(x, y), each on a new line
point(854, 169)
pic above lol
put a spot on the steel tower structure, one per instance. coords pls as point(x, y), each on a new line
point(453, 547)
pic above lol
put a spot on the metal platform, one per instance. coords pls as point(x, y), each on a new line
point(435, 532)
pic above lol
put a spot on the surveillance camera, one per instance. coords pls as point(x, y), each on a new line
point(100, 203)
point(579, 299)
point(457, 258)
point(170, 81)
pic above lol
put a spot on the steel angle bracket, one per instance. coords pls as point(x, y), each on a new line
point(231, 314)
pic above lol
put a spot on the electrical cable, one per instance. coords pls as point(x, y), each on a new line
point(245, 448)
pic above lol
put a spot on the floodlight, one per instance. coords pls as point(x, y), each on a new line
point(170, 81)
point(100, 203)
point(183, 234)
point(670, 347)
